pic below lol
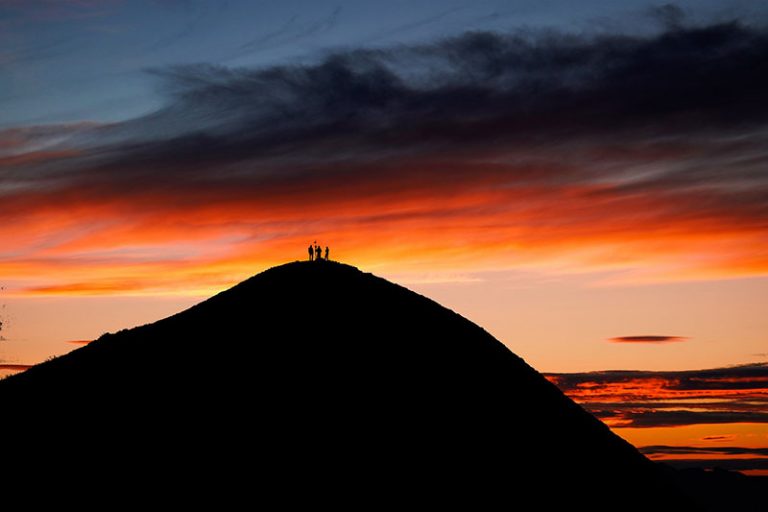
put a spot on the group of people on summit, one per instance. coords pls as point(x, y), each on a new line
point(316, 252)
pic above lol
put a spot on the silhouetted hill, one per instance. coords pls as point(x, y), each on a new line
point(333, 383)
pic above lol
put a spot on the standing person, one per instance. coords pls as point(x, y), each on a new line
point(311, 252)
point(318, 252)
point(327, 252)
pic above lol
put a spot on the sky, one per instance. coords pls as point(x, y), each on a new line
point(587, 181)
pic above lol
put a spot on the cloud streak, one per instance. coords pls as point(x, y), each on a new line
point(647, 339)
point(79, 342)
point(699, 450)
point(15, 367)
point(661, 418)
point(605, 151)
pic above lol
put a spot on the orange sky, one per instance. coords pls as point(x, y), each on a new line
point(70, 243)
point(508, 255)
point(583, 209)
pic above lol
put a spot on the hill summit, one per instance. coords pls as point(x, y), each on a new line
point(325, 374)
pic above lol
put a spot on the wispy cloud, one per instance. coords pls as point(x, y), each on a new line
point(27, 140)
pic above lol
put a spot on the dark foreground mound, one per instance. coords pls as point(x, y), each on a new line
point(329, 383)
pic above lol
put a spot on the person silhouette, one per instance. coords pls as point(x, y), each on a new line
point(311, 252)
point(318, 253)
point(327, 252)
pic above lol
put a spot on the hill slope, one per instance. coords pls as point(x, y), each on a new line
point(325, 374)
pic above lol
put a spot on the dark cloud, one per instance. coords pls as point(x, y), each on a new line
point(696, 450)
point(648, 339)
point(476, 97)
point(742, 402)
point(477, 90)
point(654, 416)
point(743, 377)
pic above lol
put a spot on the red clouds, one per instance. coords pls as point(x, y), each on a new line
point(654, 399)
point(726, 405)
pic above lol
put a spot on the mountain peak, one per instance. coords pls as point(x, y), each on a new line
point(321, 358)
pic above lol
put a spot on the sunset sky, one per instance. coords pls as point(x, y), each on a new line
point(588, 181)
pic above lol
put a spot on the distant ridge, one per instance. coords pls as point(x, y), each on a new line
point(338, 383)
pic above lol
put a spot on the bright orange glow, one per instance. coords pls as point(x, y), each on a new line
point(88, 245)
